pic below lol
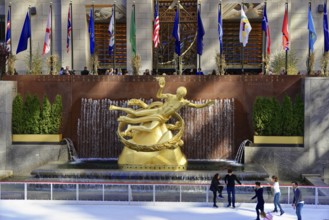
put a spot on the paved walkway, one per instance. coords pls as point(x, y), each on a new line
point(54, 210)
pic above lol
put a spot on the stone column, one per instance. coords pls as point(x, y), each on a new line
point(144, 30)
point(209, 15)
point(7, 93)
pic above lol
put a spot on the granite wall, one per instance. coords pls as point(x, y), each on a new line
point(7, 93)
point(313, 157)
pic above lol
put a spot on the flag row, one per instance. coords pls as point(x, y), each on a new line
point(245, 29)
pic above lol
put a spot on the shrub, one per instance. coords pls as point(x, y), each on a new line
point(270, 118)
point(45, 117)
point(278, 62)
point(56, 115)
point(29, 118)
point(18, 117)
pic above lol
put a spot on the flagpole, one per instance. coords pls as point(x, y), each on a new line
point(93, 14)
point(157, 49)
point(264, 47)
point(11, 24)
point(286, 64)
point(242, 58)
point(51, 39)
point(114, 49)
point(199, 5)
point(72, 64)
point(30, 39)
point(220, 45)
point(179, 56)
point(309, 48)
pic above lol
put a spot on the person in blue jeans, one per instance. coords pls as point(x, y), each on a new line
point(277, 193)
point(230, 180)
point(298, 201)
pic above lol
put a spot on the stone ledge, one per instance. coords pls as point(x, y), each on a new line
point(5, 174)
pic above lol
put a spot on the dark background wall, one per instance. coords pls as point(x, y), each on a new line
point(243, 88)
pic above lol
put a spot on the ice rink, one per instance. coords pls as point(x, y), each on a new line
point(61, 210)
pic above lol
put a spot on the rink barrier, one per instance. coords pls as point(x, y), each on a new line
point(147, 192)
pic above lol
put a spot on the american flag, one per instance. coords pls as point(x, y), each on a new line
point(69, 29)
point(156, 36)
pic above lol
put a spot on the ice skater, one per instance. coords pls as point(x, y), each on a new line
point(230, 179)
point(298, 201)
point(260, 199)
point(216, 187)
point(277, 193)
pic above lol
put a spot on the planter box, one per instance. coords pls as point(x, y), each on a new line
point(278, 140)
point(37, 138)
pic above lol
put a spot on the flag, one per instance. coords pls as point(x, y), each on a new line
point(176, 34)
point(266, 29)
point(111, 33)
point(220, 30)
point(325, 28)
point(46, 44)
point(8, 34)
point(200, 35)
point(91, 32)
point(245, 28)
point(285, 31)
point(311, 29)
point(69, 29)
point(156, 26)
point(132, 37)
point(25, 35)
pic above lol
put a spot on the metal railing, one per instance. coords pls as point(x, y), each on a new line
point(146, 192)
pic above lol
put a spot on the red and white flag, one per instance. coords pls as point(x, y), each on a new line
point(156, 26)
point(46, 44)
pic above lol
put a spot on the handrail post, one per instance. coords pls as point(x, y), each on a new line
point(288, 195)
point(153, 193)
point(0, 191)
point(77, 192)
point(129, 193)
point(180, 193)
point(25, 191)
point(51, 191)
point(207, 194)
point(316, 196)
point(103, 189)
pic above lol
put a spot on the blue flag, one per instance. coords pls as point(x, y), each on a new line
point(25, 35)
point(200, 34)
point(111, 32)
point(220, 30)
point(311, 29)
point(8, 34)
point(266, 29)
point(92, 33)
point(176, 34)
point(325, 28)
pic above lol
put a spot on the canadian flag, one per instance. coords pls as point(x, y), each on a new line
point(46, 44)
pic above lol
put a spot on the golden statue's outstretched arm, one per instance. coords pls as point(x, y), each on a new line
point(193, 105)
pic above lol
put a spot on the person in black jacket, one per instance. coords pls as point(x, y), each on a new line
point(230, 179)
point(216, 187)
point(260, 199)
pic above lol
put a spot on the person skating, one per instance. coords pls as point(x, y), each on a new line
point(260, 199)
point(230, 179)
point(298, 201)
point(216, 187)
point(277, 193)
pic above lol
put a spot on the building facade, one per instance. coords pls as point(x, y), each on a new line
point(163, 58)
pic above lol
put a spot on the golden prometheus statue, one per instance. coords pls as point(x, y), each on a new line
point(151, 141)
